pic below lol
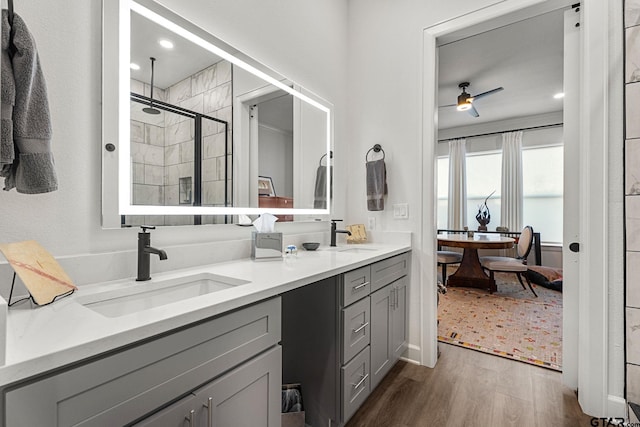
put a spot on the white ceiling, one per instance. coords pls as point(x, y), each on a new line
point(172, 65)
point(525, 58)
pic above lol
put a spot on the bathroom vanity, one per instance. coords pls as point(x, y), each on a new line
point(351, 329)
point(216, 357)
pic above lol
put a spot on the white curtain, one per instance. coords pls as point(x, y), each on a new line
point(457, 209)
point(512, 194)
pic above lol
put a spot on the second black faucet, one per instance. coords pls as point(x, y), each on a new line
point(334, 231)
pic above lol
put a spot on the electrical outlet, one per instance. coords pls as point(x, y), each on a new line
point(401, 211)
point(372, 223)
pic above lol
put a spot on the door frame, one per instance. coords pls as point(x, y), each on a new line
point(599, 64)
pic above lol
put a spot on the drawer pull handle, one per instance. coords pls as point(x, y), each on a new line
point(364, 378)
point(190, 418)
point(355, 288)
point(361, 327)
point(209, 406)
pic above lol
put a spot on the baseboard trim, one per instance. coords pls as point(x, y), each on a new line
point(412, 354)
point(616, 407)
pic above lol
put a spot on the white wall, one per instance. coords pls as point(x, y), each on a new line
point(276, 157)
point(305, 42)
point(385, 90)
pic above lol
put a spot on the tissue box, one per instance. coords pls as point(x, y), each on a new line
point(266, 245)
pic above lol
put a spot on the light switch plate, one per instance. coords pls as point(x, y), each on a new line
point(401, 211)
point(372, 223)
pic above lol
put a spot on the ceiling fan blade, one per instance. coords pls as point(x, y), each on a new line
point(448, 105)
point(473, 112)
point(487, 93)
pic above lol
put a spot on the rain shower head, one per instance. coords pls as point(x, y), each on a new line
point(150, 109)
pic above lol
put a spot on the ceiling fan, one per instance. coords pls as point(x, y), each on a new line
point(466, 100)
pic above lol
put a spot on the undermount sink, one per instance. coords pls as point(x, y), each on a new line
point(147, 295)
point(358, 250)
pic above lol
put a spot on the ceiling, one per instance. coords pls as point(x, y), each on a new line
point(525, 58)
point(172, 65)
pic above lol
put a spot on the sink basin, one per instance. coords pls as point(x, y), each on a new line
point(144, 296)
point(357, 250)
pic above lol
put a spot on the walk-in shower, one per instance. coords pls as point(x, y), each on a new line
point(178, 157)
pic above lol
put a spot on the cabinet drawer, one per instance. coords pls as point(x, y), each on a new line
point(355, 384)
point(356, 330)
point(118, 389)
point(356, 284)
point(388, 270)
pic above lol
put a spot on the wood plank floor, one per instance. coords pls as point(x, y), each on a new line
point(470, 388)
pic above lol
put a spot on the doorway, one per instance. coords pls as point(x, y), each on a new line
point(597, 128)
point(511, 77)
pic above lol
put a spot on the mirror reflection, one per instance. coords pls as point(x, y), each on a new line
point(206, 130)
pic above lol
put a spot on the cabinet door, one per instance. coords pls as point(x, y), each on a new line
point(181, 414)
point(248, 396)
point(399, 318)
point(381, 319)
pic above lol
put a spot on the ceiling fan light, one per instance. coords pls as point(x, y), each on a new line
point(464, 106)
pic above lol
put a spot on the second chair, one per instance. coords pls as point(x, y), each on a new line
point(518, 265)
point(445, 258)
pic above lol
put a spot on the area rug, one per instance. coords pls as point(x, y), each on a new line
point(511, 323)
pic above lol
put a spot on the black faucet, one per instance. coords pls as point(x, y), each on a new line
point(144, 252)
point(334, 231)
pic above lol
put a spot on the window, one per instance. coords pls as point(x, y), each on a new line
point(483, 177)
point(543, 182)
point(443, 192)
point(542, 189)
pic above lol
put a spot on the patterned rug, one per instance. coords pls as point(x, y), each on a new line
point(511, 323)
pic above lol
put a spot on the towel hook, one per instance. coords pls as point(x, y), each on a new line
point(376, 149)
point(324, 156)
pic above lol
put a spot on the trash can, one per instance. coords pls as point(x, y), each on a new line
point(292, 407)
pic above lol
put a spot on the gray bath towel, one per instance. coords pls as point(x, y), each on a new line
point(26, 157)
point(320, 191)
point(376, 185)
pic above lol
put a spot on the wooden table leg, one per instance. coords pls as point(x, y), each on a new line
point(470, 273)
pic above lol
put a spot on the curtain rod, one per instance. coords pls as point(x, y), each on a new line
point(504, 131)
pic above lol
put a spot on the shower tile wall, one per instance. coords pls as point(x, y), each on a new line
point(632, 202)
point(147, 149)
point(163, 146)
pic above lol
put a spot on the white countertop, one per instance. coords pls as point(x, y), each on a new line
point(45, 338)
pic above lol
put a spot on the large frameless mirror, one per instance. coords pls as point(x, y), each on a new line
point(195, 132)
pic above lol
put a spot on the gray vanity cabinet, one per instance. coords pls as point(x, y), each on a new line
point(341, 335)
point(236, 353)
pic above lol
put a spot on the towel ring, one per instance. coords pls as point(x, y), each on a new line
point(376, 149)
point(324, 156)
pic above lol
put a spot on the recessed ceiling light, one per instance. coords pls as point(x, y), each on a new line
point(559, 95)
point(134, 66)
point(166, 44)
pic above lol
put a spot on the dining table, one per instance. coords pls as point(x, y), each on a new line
point(470, 273)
